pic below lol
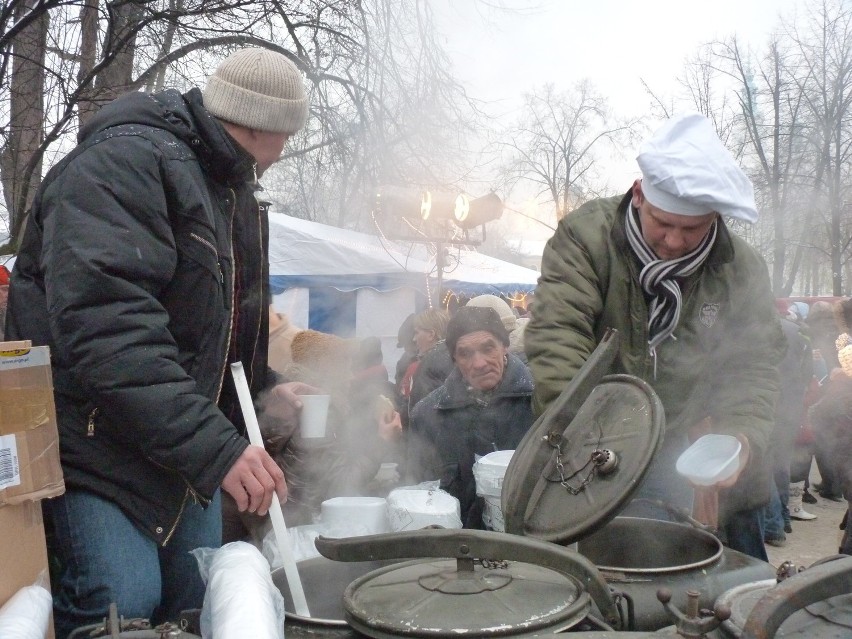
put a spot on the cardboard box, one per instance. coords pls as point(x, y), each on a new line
point(23, 554)
point(29, 441)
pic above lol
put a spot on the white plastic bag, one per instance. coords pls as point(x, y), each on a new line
point(27, 614)
point(241, 600)
point(422, 505)
point(302, 538)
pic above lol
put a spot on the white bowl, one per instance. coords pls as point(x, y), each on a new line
point(711, 459)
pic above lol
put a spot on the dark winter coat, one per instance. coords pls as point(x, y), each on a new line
point(435, 366)
point(832, 423)
point(453, 426)
point(137, 245)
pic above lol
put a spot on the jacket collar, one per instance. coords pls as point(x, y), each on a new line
point(224, 159)
point(516, 381)
point(722, 252)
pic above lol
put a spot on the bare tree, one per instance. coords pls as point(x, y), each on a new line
point(556, 144)
point(383, 104)
point(824, 44)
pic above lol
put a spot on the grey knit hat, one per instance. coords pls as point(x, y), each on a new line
point(470, 319)
point(259, 89)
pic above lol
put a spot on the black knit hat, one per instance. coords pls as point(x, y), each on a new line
point(470, 319)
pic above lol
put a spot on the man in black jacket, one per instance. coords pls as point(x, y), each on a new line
point(144, 268)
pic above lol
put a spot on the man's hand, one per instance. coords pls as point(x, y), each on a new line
point(283, 403)
point(253, 481)
point(706, 503)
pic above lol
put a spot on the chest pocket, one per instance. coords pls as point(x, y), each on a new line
point(195, 299)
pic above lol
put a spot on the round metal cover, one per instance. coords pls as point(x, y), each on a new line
point(554, 487)
point(827, 619)
point(438, 598)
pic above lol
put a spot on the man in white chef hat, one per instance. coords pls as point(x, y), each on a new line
point(693, 303)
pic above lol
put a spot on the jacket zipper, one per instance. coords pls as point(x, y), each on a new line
point(233, 300)
point(190, 492)
point(179, 515)
point(262, 260)
point(209, 245)
point(90, 426)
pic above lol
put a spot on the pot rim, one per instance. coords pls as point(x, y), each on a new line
point(720, 549)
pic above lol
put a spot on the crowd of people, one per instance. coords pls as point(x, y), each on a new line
point(143, 267)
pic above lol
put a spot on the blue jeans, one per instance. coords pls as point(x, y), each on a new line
point(773, 516)
point(744, 532)
point(104, 558)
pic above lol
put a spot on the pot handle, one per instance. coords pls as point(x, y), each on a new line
point(475, 544)
point(815, 584)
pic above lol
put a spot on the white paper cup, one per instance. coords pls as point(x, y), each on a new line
point(314, 415)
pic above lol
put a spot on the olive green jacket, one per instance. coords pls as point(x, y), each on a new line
point(723, 362)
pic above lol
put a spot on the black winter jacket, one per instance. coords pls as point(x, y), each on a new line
point(452, 427)
point(137, 245)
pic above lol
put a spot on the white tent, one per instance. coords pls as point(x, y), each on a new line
point(356, 284)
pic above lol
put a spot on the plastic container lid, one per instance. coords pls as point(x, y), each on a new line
point(711, 459)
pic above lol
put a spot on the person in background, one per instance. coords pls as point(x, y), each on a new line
point(369, 373)
point(513, 324)
point(4, 298)
point(795, 372)
point(432, 363)
point(484, 405)
point(824, 328)
point(362, 429)
point(693, 304)
point(832, 421)
point(405, 341)
point(143, 268)
point(281, 334)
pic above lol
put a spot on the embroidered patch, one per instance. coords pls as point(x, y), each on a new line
point(708, 314)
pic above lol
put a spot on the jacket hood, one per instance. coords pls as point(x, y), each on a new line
point(184, 116)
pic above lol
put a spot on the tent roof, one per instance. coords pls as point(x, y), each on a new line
point(306, 254)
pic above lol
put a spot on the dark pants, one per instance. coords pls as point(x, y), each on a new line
point(104, 558)
point(744, 532)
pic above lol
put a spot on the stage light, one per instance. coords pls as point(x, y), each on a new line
point(470, 213)
point(437, 206)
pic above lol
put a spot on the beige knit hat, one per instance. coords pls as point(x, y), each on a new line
point(259, 89)
point(507, 316)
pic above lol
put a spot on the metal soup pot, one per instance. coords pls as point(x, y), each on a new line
point(324, 582)
point(638, 557)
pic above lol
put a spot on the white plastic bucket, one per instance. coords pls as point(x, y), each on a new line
point(488, 471)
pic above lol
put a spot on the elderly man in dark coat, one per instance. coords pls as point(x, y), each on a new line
point(483, 406)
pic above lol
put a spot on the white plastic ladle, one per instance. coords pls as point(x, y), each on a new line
point(276, 515)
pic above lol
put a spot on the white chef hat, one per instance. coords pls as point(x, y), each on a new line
point(687, 170)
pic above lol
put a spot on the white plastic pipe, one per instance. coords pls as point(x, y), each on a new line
point(275, 514)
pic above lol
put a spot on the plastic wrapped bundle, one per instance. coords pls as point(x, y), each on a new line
point(241, 600)
point(488, 471)
point(26, 614)
point(416, 507)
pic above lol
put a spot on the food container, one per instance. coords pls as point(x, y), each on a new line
point(711, 459)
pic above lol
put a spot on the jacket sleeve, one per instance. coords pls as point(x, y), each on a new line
point(568, 302)
point(108, 250)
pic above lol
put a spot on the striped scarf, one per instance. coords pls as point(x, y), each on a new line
point(658, 279)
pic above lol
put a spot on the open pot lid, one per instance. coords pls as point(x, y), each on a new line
point(581, 461)
point(474, 583)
